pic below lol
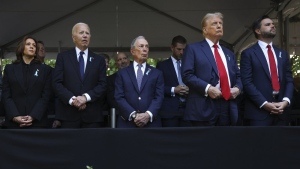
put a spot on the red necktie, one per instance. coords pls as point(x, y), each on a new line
point(274, 76)
point(223, 75)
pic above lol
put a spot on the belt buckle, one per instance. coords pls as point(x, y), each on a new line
point(275, 94)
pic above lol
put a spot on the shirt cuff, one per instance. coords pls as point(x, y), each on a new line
point(151, 115)
point(263, 104)
point(206, 89)
point(87, 96)
point(130, 118)
point(71, 100)
point(172, 92)
point(287, 99)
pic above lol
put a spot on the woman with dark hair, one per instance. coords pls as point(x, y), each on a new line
point(26, 88)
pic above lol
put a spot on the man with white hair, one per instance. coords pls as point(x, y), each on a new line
point(80, 83)
point(139, 90)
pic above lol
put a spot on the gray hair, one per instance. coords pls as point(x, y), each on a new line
point(80, 23)
point(134, 40)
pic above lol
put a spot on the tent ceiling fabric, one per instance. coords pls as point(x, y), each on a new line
point(114, 23)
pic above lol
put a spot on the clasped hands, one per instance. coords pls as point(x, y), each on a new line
point(215, 93)
point(181, 90)
point(141, 119)
point(275, 107)
point(79, 102)
point(24, 121)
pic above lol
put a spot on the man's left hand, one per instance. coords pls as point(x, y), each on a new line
point(234, 92)
point(281, 105)
point(79, 101)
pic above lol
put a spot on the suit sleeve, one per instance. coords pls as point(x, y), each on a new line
point(247, 79)
point(123, 105)
point(289, 87)
point(158, 95)
point(188, 70)
point(10, 106)
point(237, 77)
point(167, 89)
point(99, 91)
point(58, 79)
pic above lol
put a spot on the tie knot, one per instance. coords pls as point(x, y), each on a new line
point(215, 46)
point(140, 65)
point(81, 53)
point(178, 61)
point(268, 46)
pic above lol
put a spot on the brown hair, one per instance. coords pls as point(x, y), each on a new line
point(20, 50)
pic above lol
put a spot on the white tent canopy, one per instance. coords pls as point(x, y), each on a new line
point(114, 23)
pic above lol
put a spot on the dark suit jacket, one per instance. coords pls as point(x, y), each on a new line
point(257, 80)
point(67, 83)
point(170, 106)
point(129, 98)
point(21, 102)
point(199, 69)
point(111, 91)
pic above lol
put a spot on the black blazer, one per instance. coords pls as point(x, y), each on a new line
point(67, 83)
point(20, 102)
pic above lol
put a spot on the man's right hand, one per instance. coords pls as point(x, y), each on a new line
point(181, 90)
point(214, 92)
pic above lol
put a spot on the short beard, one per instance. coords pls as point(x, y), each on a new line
point(268, 35)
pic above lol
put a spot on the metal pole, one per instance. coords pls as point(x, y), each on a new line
point(113, 118)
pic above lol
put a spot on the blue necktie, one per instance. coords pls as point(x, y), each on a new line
point(81, 64)
point(179, 78)
point(179, 72)
point(139, 76)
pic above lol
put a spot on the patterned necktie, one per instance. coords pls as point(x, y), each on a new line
point(139, 76)
point(81, 64)
point(223, 74)
point(179, 72)
point(273, 70)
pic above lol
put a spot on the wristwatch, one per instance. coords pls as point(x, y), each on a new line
point(133, 116)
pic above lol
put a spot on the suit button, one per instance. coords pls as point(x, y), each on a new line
point(139, 98)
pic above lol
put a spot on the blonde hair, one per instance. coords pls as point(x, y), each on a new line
point(210, 15)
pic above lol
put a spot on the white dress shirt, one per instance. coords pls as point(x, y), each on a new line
point(210, 43)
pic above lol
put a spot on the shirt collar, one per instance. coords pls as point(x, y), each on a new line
point(78, 51)
point(173, 59)
point(135, 64)
point(210, 43)
point(263, 44)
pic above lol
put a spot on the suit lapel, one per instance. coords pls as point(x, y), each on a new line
point(19, 75)
point(36, 69)
point(261, 57)
point(228, 61)
point(131, 74)
point(279, 62)
point(171, 68)
point(208, 53)
point(74, 61)
point(147, 73)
